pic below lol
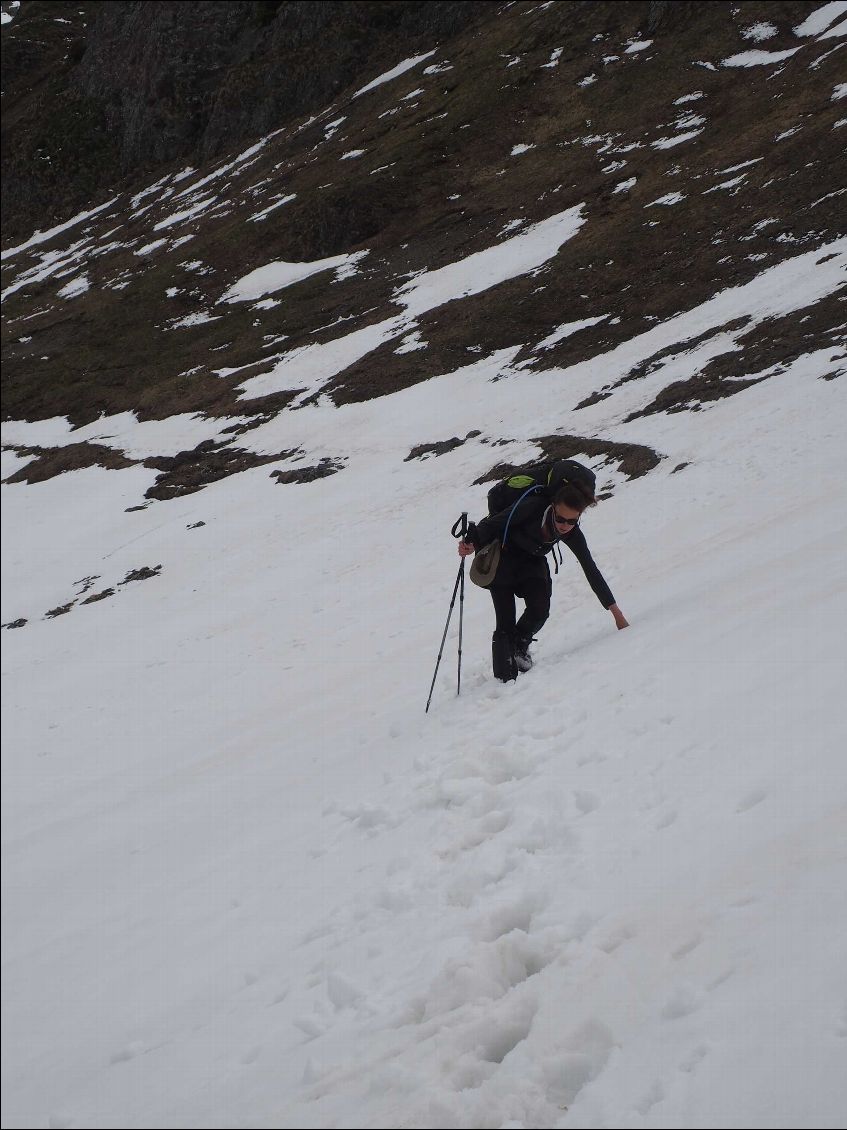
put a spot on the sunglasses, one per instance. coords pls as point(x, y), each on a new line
point(560, 521)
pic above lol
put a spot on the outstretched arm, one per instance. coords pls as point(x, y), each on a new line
point(577, 544)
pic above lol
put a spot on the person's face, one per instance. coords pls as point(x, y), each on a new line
point(564, 518)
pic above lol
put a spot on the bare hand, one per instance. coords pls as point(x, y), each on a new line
point(620, 620)
point(465, 548)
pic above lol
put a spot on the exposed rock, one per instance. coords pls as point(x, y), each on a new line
point(142, 574)
point(61, 610)
point(422, 450)
point(309, 474)
point(98, 596)
point(190, 471)
point(53, 461)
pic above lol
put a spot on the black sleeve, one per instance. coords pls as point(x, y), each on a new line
point(576, 543)
point(494, 526)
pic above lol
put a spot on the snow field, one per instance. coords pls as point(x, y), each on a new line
point(603, 896)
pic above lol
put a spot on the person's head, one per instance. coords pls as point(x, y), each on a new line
point(569, 501)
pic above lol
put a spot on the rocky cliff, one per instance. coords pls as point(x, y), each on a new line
point(97, 93)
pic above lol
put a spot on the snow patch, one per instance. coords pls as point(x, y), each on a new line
point(411, 343)
point(836, 32)
point(197, 319)
point(669, 199)
point(758, 58)
point(148, 248)
point(75, 287)
point(484, 269)
point(395, 72)
point(276, 276)
point(821, 18)
point(185, 213)
point(258, 217)
point(43, 236)
point(759, 32)
point(726, 184)
point(568, 329)
point(678, 139)
point(625, 185)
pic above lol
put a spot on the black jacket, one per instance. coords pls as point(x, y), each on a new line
point(527, 540)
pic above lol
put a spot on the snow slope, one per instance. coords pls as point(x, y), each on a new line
point(249, 883)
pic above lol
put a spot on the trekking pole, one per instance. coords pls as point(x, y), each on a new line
point(463, 532)
point(460, 582)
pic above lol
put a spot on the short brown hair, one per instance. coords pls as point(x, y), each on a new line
point(577, 495)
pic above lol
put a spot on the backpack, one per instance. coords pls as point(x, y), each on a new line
point(540, 478)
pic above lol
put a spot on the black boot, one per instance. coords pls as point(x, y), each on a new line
point(523, 659)
point(503, 657)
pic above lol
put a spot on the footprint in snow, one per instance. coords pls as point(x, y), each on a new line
point(585, 801)
point(587, 757)
point(694, 1058)
point(683, 1000)
point(486, 828)
point(369, 818)
point(654, 1096)
point(617, 938)
point(719, 980)
point(502, 920)
point(310, 1026)
point(342, 993)
point(743, 901)
point(584, 1057)
point(750, 800)
point(130, 1051)
point(493, 1039)
point(475, 882)
point(687, 947)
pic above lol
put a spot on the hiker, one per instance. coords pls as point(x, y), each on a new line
point(528, 516)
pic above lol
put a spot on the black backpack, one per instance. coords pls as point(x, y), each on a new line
point(540, 478)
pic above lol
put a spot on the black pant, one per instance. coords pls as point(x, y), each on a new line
point(532, 583)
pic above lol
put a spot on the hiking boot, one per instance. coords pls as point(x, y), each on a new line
point(523, 660)
point(503, 657)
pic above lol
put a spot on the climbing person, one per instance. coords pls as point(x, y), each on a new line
point(529, 515)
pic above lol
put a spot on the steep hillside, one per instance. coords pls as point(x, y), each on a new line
point(248, 882)
point(694, 156)
point(95, 94)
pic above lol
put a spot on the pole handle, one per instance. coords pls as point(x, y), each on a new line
point(460, 526)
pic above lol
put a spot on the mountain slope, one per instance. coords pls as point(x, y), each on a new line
point(690, 168)
point(247, 881)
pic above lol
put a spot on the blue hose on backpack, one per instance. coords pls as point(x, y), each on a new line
point(531, 490)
